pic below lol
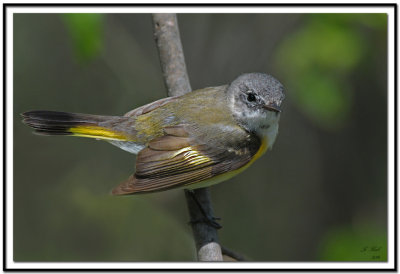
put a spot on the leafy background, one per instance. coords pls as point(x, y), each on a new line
point(319, 195)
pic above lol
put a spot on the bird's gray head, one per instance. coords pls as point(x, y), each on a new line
point(255, 100)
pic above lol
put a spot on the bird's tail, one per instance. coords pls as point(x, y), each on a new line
point(83, 125)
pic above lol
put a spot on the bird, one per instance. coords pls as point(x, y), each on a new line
point(191, 141)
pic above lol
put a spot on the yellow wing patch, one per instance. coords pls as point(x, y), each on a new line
point(193, 157)
point(97, 132)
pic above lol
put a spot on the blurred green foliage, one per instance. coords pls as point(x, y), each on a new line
point(86, 31)
point(318, 61)
point(362, 243)
point(297, 203)
point(98, 227)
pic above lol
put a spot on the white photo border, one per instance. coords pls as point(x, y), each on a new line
point(7, 132)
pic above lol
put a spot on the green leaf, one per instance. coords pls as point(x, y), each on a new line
point(86, 32)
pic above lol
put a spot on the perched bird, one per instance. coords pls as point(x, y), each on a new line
point(191, 141)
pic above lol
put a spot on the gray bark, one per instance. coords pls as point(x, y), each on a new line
point(166, 33)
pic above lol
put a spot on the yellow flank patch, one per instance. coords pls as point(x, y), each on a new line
point(97, 132)
point(261, 151)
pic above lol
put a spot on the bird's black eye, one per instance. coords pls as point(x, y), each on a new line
point(251, 97)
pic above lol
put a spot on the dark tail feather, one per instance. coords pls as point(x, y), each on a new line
point(62, 123)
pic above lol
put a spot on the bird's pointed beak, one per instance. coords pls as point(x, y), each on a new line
point(272, 107)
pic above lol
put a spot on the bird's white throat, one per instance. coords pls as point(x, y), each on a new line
point(265, 124)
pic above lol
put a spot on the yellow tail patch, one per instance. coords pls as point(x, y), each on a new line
point(97, 132)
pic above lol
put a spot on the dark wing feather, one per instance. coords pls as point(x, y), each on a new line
point(176, 160)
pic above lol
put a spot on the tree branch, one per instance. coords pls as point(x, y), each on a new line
point(232, 254)
point(166, 34)
point(173, 65)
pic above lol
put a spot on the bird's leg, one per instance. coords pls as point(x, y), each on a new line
point(207, 218)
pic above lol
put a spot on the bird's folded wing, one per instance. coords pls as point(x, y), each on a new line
point(149, 107)
point(176, 160)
